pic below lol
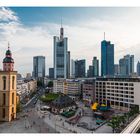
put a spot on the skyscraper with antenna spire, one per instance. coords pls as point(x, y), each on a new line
point(107, 58)
point(61, 55)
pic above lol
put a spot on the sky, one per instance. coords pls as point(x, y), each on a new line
point(30, 31)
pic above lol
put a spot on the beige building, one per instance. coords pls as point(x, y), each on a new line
point(32, 86)
point(8, 97)
point(120, 93)
point(88, 92)
point(58, 86)
point(24, 88)
point(68, 86)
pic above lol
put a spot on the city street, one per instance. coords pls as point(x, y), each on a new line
point(33, 120)
point(29, 121)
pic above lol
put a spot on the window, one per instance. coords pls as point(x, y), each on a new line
point(13, 80)
point(4, 82)
point(4, 98)
point(12, 98)
point(3, 113)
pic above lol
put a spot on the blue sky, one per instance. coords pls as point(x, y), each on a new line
point(36, 15)
point(30, 31)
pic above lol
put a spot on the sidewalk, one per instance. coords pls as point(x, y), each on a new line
point(58, 123)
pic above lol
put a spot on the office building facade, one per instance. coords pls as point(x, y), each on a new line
point(107, 58)
point(95, 64)
point(90, 71)
point(38, 66)
point(88, 92)
point(138, 68)
point(61, 56)
point(116, 69)
point(51, 73)
point(68, 64)
point(80, 68)
point(119, 93)
point(126, 65)
point(72, 68)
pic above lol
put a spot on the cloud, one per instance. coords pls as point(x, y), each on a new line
point(7, 15)
point(84, 38)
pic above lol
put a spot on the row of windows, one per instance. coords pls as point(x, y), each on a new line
point(117, 90)
point(119, 101)
point(115, 93)
point(124, 84)
point(4, 82)
point(117, 87)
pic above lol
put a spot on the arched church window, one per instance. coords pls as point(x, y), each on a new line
point(4, 82)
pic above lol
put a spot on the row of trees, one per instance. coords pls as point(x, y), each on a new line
point(40, 83)
point(119, 122)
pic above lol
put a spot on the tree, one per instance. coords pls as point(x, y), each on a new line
point(50, 84)
point(114, 123)
point(39, 83)
point(19, 107)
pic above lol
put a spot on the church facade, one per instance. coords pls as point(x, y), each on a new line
point(8, 94)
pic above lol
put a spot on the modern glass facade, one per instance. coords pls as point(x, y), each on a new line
point(95, 63)
point(38, 66)
point(51, 72)
point(126, 65)
point(60, 56)
point(68, 64)
point(138, 68)
point(90, 71)
point(80, 68)
point(107, 58)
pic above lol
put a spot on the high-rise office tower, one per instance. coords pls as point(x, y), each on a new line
point(95, 64)
point(126, 65)
point(80, 68)
point(8, 94)
point(39, 67)
point(72, 68)
point(107, 58)
point(68, 64)
point(90, 71)
point(116, 69)
point(138, 68)
point(51, 73)
point(61, 56)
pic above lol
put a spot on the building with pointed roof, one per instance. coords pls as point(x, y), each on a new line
point(8, 93)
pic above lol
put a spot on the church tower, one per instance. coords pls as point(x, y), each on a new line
point(8, 88)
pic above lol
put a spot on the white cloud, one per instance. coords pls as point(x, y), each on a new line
point(83, 39)
point(7, 15)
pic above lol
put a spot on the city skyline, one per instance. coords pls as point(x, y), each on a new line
point(31, 35)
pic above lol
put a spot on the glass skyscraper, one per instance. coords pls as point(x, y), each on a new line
point(95, 63)
point(80, 68)
point(61, 56)
point(138, 68)
point(107, 58)
point(126, 65)
point(38, 66)
point(51, 73)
